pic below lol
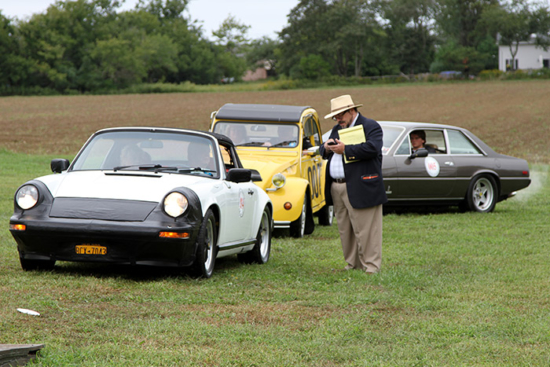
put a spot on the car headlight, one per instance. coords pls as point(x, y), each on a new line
point(26, 197)
point(278, 180)
point(175, 204)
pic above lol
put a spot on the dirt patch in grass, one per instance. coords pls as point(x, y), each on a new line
point(512, 117)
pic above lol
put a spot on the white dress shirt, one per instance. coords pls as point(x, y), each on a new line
point(337, 162)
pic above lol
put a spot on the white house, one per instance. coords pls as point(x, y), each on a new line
point(529, 56)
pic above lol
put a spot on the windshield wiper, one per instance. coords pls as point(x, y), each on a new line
point(251, 144)
point(141, 167)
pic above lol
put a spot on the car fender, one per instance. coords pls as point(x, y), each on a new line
point(293, 192)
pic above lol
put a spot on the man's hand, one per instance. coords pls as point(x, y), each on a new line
point(335, 145)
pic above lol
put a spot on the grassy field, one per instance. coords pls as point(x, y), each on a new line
point(456, 289)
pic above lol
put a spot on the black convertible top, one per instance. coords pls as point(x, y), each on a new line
point(261, 112)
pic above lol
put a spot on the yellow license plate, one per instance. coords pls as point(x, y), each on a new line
point(91, 249)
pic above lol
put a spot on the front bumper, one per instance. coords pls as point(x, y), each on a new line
point(135, 243)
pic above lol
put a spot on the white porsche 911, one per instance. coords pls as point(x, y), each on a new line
point(145, 196)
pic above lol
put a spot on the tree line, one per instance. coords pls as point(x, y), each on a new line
point(81, 46)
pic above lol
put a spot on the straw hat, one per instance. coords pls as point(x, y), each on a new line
point(341, 104)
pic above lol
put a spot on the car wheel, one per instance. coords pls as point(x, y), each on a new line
point(206, 247)
point(262, 249)
point(482, 194)
point(27, 264)
point(298, 227)
point(326, 215)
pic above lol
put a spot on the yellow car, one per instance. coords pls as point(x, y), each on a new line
point(281, 143)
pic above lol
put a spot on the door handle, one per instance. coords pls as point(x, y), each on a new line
point(449, 163)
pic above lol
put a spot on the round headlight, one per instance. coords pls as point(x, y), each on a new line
point(175, 204)
point(278, 180)
point(26, 197)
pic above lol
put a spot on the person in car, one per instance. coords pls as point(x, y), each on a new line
point(418, 141)
point(198, 156)
point(237, 134)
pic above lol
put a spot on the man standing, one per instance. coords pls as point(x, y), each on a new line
point(356, 188)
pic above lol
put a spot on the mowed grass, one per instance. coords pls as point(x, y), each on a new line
point(456, 289)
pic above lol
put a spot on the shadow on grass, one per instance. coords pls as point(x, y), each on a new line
point(138, 273)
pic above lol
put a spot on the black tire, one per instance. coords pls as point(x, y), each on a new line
point(262, 249)
point(298, 227)
point(205, 258)
point(326, 215)
point(28, 265)
point(482, 194)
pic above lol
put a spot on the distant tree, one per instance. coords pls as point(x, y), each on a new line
point(56, 42)
point(266, 51)
point(515, 22)
point(10, 60)
point(459, 20)
point(345, 33)
point(314, 67)
point(231, 37)
point(163, 9)
point(308, 32)
point(409, 27)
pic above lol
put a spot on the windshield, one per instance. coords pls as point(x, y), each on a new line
point(149, 151)
point(258, 134)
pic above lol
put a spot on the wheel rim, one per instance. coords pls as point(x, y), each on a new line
point(209, 245)
point(264, 235)
point(330, 214)
point(483, 194)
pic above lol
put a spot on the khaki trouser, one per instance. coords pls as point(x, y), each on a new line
point(360, 231)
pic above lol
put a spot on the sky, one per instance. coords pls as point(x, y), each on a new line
point(265, 18)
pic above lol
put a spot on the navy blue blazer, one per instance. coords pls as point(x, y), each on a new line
point(364, 176)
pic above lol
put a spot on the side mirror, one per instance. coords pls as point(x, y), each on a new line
point(59, 165)
point(255, 176)
point(239, 175)
point(420, 153)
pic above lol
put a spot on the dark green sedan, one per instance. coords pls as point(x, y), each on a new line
point(431, 164)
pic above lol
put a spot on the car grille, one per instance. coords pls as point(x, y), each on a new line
point(103, 209)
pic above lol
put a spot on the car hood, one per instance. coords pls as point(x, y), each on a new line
point(119, 185)
point(269, 165)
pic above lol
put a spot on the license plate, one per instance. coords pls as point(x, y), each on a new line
point(90, 249)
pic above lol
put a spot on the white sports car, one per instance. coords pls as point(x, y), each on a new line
point(145, 196)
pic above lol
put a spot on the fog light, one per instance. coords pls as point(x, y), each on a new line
point(288, 206)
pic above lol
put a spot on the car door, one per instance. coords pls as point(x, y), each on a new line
point(430, 177)
point(468, 158)
point(313, 164)
point(239, 204)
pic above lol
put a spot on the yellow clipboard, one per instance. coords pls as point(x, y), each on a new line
point(351, 136)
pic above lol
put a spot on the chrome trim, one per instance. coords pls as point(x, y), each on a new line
point(281, 224)
point(233, 245)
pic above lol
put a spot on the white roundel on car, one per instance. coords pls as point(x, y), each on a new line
point(241, 202)
point(432, 166)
